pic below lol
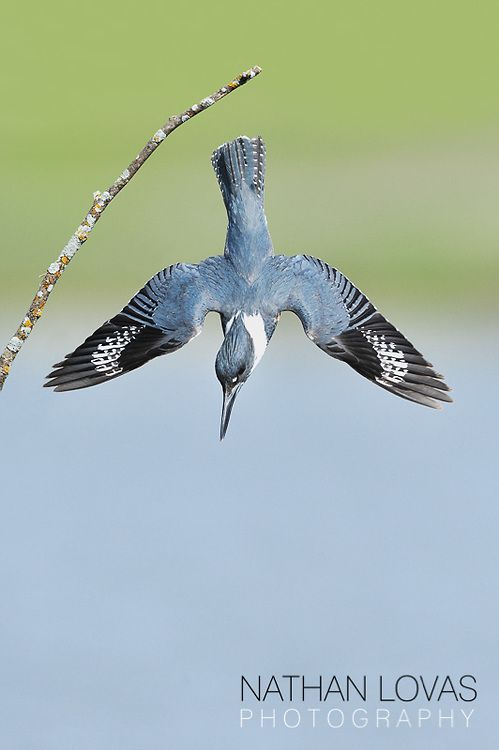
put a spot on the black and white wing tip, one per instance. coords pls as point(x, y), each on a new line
point(163, 316)
point(342, 322)
point(118, 346)
point(379, 352)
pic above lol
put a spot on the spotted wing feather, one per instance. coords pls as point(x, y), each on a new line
point(341, 320)
point(163, 316)
point(379, 352)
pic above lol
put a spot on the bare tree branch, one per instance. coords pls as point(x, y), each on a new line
point(100, 203)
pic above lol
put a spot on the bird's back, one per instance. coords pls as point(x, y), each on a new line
point(240, 169)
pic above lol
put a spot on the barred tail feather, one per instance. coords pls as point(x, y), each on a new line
point(240, 164)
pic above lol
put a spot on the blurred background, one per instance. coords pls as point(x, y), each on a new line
point(144, 567)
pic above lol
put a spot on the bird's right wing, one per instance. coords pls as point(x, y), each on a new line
point(163, 316)
point(340, 319)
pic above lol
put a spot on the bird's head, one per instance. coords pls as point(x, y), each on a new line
point(242, 348)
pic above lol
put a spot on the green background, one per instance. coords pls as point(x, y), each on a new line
point(380, 120)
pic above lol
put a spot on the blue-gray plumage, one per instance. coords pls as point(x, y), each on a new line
point(249, 287)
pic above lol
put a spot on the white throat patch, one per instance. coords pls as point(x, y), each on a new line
point(256, 329)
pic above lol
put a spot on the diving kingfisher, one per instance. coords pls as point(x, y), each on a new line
point(250, 287)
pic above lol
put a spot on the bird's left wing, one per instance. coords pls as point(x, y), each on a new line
point(163, 316)
point(345, 324)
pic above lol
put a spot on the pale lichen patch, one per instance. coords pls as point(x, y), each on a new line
point(71, 247)
point(14, 344)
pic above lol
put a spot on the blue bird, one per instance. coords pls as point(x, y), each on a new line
point(250, 287)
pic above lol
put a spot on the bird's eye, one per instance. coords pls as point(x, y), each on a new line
point(238, 376)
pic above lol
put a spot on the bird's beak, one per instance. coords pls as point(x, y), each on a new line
point(229, 398)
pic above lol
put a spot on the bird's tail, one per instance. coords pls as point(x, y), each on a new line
point(240, 165)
